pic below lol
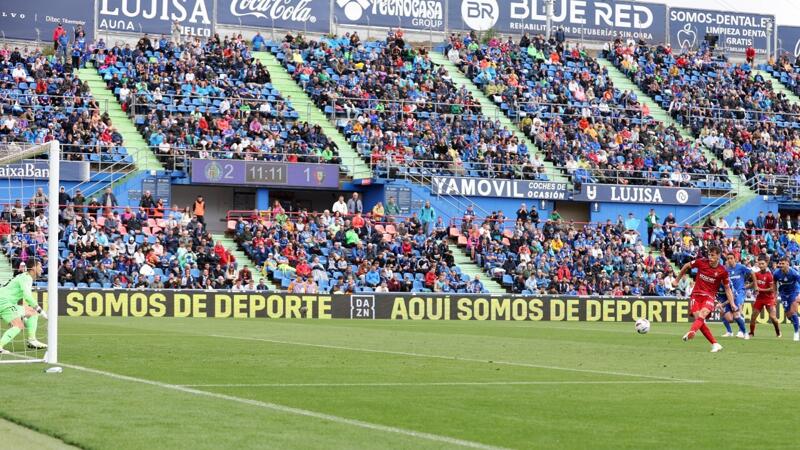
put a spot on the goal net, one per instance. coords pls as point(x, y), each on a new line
point(29, 235)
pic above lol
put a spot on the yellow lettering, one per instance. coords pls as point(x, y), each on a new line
point(181, 305)
point(557, 310)
point(74, 304)
point(464, 312)
point(399, 310)
point(573, 306)
point(500, 308)
point(593, 308)
point(535, 306)
point(222, 307)
point(117, 305)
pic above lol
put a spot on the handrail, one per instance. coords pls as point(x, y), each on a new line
point(13, 152)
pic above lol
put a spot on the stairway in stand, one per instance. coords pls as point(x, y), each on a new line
point(143, 157)
point(492, 111)
point(309, 112)
point(726, 205)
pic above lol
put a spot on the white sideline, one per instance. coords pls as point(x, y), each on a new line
point(455, 358)
point(444, 383)
point(291, 410)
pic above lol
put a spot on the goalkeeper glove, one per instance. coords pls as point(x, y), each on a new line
point(41, 312)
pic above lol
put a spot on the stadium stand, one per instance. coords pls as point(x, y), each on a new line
point(41, 100)
point(209, 100)
point(554, 256)
point(402, 111)
point(343, 253)
point(735, 112)
point(564, 100)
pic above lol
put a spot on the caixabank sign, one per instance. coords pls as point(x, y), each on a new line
point(397, 306)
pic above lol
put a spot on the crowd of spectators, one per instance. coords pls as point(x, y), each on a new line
point(209, 99)
point(402, 111)
point(566, 102)
point(41, 100)
point(787, 69)
point(734, 111)
point(102, 245)
point(346, 250)
point(533, 255)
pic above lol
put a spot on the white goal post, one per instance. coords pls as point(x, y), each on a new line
point(20, 353)
point(51, 356)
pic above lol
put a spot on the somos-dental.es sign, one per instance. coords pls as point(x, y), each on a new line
point(737, 31)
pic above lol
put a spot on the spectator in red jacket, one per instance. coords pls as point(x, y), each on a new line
point(57, 33)
point(750, 54)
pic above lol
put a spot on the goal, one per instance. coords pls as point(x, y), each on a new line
point(29, 231)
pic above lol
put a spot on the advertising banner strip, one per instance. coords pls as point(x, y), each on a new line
point(598, 20)
point(406, 14)
point(37, 19)
point(265, 173)
point(195, 17)
point(490, 187)
point(789, 40)
point(658, 195)
point(38, 169)
point(387, 306)
point(736, 30)
point(298, 15)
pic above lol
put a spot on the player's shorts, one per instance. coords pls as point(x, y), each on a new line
point(12, 312)
point(762, 303)
point(787, 301)
point(739, 300)
point(699, 302)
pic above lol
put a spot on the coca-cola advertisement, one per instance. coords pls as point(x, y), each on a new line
point(186, 17)
point(298, 15)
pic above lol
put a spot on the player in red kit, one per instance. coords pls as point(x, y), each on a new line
point(765, 297)
point(710, 276)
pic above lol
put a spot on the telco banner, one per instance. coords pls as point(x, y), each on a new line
point(736, 31)
point(485, 187)
point(400, 306)
point(265, 173)
point(638, 194)
point(36, 19)
point(305, 15)
point(156, 16)
point(409, 14)
point(789, 40)
point(587, 19)
point(38, 169)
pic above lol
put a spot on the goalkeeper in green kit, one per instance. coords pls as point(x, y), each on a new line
point(18, 316)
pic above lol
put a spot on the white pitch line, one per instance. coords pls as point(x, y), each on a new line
point(291, 410)
point(456, 358)
point(444, 383)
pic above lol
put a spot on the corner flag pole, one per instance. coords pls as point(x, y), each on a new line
point(52, 254)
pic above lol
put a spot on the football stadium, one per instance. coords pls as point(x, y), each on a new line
point(323, 224)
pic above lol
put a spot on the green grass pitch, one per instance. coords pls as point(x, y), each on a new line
point(307, 384)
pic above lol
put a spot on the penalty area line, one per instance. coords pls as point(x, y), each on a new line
point(444, 383)
point(290, 410)
point(457, 358)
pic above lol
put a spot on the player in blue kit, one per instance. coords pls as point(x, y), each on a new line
point(786, 284)
point(740, 277)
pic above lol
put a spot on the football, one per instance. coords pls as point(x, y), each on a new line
point(642, 326)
